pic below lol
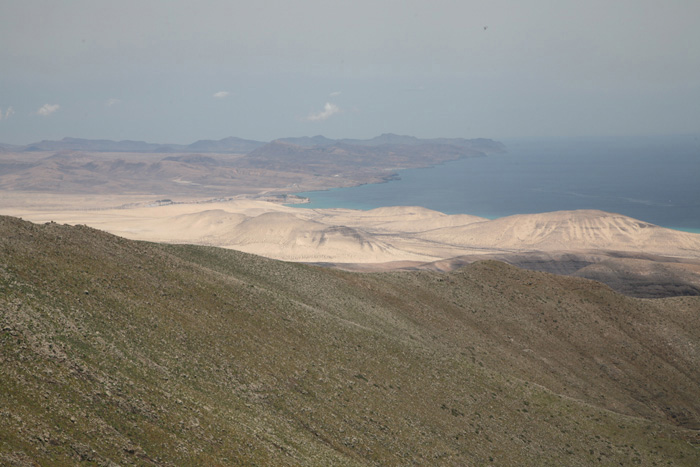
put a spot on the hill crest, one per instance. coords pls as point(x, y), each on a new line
point(130, 352)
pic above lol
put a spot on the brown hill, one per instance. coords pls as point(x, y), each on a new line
point(232, 165)
point(341, 157)
point(116, 351)
point(633, 274)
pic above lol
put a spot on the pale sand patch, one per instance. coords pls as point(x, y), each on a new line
point(349, 236)
point(571, 230)
point(397, 219)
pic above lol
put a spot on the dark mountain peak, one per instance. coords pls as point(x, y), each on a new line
point(306, 141)
point(226, 145)
point(283, 143)
point(280, 147)
point(392, 138)
point(230, 144)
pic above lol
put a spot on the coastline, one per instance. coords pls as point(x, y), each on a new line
point(306, 201)
point(638, 181)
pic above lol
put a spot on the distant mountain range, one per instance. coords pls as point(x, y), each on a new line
point(224, 167)
point(242, 146)
point(226, 145)
point(388, 139)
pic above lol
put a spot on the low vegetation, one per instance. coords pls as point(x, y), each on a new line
point(121, 352)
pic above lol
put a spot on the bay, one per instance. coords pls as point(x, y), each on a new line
point(654, 179)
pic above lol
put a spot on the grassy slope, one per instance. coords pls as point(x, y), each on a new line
point(121, 351)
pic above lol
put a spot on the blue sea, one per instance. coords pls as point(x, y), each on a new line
point(654, 179)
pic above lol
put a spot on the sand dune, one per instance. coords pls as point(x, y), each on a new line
point(398, 219)
point(201, 227)
point(379, 235)
point(287, 236)
point(570, 230)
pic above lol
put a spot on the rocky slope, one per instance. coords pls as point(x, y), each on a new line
point(118, 352)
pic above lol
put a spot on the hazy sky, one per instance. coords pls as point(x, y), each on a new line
point(177, 71)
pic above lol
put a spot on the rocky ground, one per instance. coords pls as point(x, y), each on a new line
point(122, 352)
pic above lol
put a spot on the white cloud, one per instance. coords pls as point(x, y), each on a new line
point(335, 93)
point(112, 101)
point(221, 94)
point(328, 111)
point(48, 109)
point(8, 114)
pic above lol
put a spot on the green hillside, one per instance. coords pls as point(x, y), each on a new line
point(121, 352)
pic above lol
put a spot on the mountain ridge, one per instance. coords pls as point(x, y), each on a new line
point(131, 352)
point(231, 166)
point(233, 144)
point(226, 145)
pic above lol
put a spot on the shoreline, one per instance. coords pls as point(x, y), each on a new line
point(515, 183)
point(306, 205)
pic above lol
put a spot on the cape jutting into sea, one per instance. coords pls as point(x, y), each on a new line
point(653, 179)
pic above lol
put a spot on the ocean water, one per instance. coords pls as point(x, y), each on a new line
point(656, 180)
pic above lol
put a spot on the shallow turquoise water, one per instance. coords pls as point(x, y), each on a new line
point(655, 180)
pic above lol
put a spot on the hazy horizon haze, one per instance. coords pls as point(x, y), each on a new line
point(177, 72)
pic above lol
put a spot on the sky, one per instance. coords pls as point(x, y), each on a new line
point(178, 71)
